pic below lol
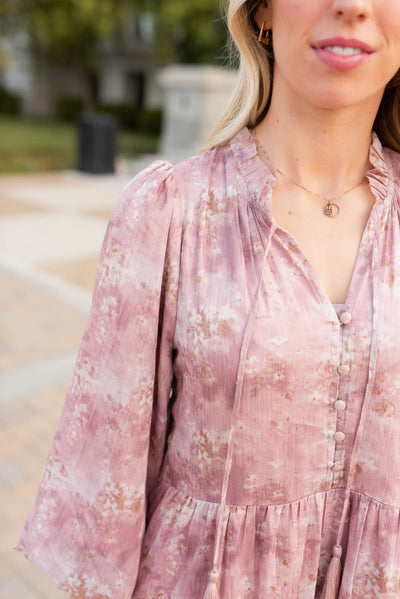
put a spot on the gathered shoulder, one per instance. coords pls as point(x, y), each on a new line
point(394, 158)
point(147, 197)
point(154, 174)
point(201, 178)
point(179, 187)
point(150, 183)
point(199, 169)
point(393, 161)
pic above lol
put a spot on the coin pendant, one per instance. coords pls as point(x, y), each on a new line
point(331, 209)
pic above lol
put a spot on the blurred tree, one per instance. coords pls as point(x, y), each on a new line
point(3, 56)
point(190, 32)
point(68, 32)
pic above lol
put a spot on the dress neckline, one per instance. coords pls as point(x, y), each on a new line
point(260, 180)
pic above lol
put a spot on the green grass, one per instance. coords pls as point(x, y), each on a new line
point(33, 145)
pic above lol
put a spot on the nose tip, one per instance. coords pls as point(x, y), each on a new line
point(351, 9)
point(360, 16)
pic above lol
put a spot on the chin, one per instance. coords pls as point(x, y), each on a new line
point(338, 100)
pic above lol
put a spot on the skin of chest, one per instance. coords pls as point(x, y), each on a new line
point(329, 244)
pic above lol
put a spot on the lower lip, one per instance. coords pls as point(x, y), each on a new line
point(342, 63)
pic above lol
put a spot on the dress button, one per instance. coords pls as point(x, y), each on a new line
point(339, 405)
point(339, 437)
point(345, 318)
point(343, 370)
point(337, 468)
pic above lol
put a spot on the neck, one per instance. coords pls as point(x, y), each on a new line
point(326, 150)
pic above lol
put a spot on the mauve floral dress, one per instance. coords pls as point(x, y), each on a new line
point(214, 368)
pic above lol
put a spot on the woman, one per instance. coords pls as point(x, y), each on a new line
point(231, 429)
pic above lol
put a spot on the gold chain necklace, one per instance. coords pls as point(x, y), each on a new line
point(331, 209)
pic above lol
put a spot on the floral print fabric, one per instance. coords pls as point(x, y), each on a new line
point(127, 505)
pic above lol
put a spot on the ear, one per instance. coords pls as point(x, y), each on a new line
point(263, 15)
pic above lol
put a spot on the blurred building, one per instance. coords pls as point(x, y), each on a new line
point(127, 72)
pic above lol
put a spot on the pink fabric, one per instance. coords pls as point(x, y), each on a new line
point(128, 502)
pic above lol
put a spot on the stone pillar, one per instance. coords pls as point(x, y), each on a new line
point(194, 99)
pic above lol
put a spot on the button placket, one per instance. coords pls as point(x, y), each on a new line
point(345, 318)
point(340, 405)
point(344, 370)
point(338, 467)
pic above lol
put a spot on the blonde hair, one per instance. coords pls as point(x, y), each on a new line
point(251, 97)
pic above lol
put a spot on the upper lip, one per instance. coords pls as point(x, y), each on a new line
point(344, 43)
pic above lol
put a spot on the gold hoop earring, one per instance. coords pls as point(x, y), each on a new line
point(264, 36)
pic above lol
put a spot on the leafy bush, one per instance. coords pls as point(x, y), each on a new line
point(126, 114)
point(10, 103)
point(131, 117)
point(68, 108)
point(150, 121)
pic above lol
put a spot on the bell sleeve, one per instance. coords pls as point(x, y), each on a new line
point(88, 519)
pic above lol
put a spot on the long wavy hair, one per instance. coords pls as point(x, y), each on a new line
point(252, 95)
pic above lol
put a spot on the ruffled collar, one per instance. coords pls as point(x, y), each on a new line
point(378, 176)
point(260, 180)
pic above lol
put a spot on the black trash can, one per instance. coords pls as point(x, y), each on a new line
point(97, 143)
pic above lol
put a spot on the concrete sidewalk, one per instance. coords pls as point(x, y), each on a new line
point(51, 230)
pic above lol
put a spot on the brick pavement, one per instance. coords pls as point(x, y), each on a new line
point(51, 228)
